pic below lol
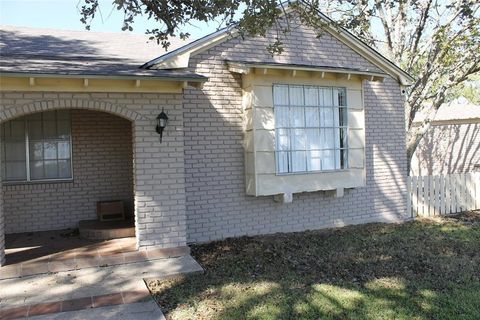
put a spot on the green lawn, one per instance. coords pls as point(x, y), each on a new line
point(427, 269)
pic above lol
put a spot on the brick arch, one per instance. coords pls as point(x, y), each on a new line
point(46, 105)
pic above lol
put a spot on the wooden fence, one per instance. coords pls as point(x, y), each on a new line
point(443, 194)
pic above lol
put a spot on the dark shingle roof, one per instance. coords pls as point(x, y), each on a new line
point(62, 52)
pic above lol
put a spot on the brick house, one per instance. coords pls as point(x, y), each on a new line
point(255, 144)
point(452, 143)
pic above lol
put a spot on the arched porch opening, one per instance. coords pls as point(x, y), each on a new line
point(59, 161)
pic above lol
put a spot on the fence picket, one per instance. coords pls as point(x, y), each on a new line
point(454, 198)
point(470, 191)
point(426, 193)
point(431, 198)
point(436, 183)
point(443, 194)
point(448, 193)
point(414, 196)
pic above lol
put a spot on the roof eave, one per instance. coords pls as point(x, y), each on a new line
point(173, 78)
point(179, 58)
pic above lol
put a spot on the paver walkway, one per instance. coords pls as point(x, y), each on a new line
point(135, 311)
point(120, 289)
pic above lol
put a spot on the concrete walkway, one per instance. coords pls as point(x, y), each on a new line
point(117, 291)
point(135, 311)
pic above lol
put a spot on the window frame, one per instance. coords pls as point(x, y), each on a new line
point(27, 139)
point(305, 127)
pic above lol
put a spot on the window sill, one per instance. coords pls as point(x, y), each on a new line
point(267, 184)
point(310, 172)
point(36, 182)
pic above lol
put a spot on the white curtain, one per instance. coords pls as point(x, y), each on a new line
point(308, 133)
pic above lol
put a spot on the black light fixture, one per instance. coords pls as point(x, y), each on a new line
point(162, 120)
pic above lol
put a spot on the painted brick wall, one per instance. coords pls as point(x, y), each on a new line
point(448, 148)
point(102, 168)
point(301, 46)
point(217, 206)
point(159, 177)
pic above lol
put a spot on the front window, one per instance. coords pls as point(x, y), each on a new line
point(37, 147)
point(311, 128)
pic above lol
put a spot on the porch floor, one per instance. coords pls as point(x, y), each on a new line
point(47, 246)
point(35, 253)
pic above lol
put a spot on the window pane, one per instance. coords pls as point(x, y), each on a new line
point(49, 150)
point(326, 117)
point(298, 117)
point(51, 169)
point(64, 169)
point(335, 97)
point(35, 131)
point(64, 150)
point(298, 161)
point(49, 129)
point(313, 139)
point(36, 150)
point(296, 96)
point(15, 151)
point(314, 160)
point(298, 140)
point(341, 97)
point(328, 160)
point(283, 139)
point(337, 138)
point(15, 171)
point(282, 162)
point(36, 170)
point(49, 115)
point(311, 96)
point(344, 159)
point(327, 97)
point(336, 117)
point(341, 137)
point(342, 116)
point(34, 116)
point(280, 95)
point(63, 115)
point(312, 117)
point(327, 139)
point(337, 159)
point(63, 130)
point(14, 130)
point(282, 117)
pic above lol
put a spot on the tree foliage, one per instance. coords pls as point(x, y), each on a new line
point(436, 41)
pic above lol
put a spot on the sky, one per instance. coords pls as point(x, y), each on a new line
point(64, 14)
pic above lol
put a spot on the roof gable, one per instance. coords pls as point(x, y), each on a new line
point(180, 57)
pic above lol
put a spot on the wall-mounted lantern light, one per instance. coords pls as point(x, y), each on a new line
point(162, 120)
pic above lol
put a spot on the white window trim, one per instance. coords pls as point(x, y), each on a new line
point(347, 148)
point(27, 164)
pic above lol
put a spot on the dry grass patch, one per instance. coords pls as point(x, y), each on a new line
point(426, 269)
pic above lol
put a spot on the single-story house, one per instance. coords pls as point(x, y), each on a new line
point(254, 143)
point(452, 143)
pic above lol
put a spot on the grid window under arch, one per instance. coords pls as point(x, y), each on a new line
point(37, 147)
